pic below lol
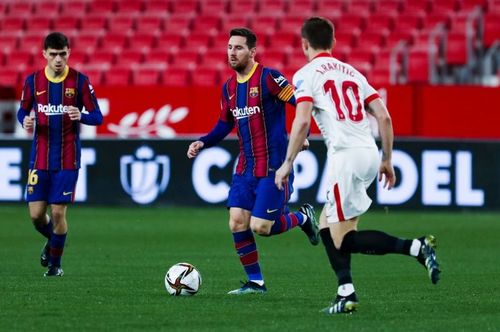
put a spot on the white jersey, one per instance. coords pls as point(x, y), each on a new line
point(338, 93)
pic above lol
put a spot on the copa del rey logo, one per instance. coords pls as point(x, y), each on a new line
point(150, 123)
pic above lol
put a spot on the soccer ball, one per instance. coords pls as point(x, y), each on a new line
point(182, 279)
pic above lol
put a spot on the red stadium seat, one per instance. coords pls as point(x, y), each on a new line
point(158, 56)
point(130, 7)
point(214, 7)
point(78, 58)
point(32, 41)
point(94, 21)
point(146, 76)
point(20, 8)
point(331, 6)
point(350, 22)
point(95, 75)
point(231, 22)
point(142, 41)
point(185, 7)
point(304, 7)
point(178, 23)
point(240, 7)
point(409, 20)
point(291, 23)
point(397, 36)
point(206, 76)
point(65, 23)
point(103, 56)
point(491, 29)
point(130, 57)
point(47, 7)
point(275, 59)
point(20, 59)
point(8, 42)
point(121, 22)
point(469, 5)
point(150, 23)
point(102, 6)
point(207, 24)
point(448, 6)
point(361, 6)
point(411, 6)
point(456, 49)
point(277, 7)
point(12, 23)
point(375, 37)
point(171, 40)
point(187, 59)
point(157, 6)
point(214, 59)
point(381, 21)
point(10, 77)
point(118, 76)
point(39, 22)
point(379, 77)
point(432, 20)
point(389, 6)
point(267, 23)
point(115, 41)
point(74, 7)
point(418, 66)
point(176, 76)
point(88, 40)
point(286, 41)
point(199, 40)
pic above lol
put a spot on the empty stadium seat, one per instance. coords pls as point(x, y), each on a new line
point(118, 76)
point(176, 76)
point(130, 57)
point(10, 77)
point(74, 7)
point(13, 23)
point(185, 7)
point(418, 66)
point(146, 76)
point(8, 42)
point(142, 41)
point(491, 29)
point(243, 6)
point(206, 76)
point(213, 7)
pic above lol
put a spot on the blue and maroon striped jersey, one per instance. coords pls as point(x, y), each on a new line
point(256, 106)
point(56, 142)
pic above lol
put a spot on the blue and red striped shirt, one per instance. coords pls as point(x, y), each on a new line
point(256, 106)
point(56, 142)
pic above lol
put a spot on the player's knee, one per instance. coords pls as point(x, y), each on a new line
point(58, 215)
point(260, 227)
point(38, 217)
point(236, 225)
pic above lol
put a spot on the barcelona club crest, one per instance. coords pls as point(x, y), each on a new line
point(69, 92)
point(254, 92)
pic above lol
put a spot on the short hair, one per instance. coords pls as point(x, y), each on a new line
point(319, 32)
point(247, 33)
point(55, 40)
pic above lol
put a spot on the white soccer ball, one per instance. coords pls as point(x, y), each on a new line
point(182, 279)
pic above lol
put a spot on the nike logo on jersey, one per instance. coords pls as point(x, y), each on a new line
point(271, 211)
point(40, 92)
point(231, 96)
point(66, 193)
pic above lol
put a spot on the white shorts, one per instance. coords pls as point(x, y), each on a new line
point(350, 173)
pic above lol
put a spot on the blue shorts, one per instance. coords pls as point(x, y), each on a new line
point(259, 195)
point(53, 187)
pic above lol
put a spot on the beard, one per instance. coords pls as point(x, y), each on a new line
point(239, 66)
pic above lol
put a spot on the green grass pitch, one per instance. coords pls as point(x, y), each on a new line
point(116, 259)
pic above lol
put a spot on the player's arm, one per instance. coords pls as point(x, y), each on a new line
point(23, 113)
point(92, 115)
point(222, 128)
point(378, 109)
point(300, 129)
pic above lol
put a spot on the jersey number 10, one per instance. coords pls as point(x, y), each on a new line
point(345, 105)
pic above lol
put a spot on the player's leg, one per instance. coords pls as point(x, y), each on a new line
point(271, 216)
point(240, 203)
point(37, 192)
point(346, 300)
point(61, 193)
point(43, 224)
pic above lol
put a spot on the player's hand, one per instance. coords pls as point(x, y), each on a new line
point(29, 122)
point(74, 113)
point(389, 177)
point(305, 145)
point(282, 175)
point(194, 149)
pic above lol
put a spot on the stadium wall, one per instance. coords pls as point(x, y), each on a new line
point(441, 174)
point(167, 112)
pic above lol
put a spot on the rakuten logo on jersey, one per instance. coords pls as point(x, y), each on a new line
point(52, 109)
point(245, 112)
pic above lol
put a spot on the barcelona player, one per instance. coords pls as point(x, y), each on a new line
point(253, 100)
point(57, 94)
point(339, 98)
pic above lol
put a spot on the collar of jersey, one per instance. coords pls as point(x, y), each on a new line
point(58, 79)
point(322, 55)
point(246, 78)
